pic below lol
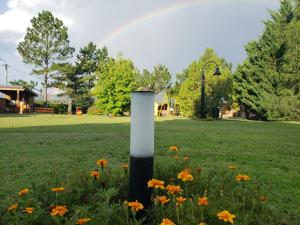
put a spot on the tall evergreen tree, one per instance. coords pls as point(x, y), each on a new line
point(45, 45)
point(78, 79)
point(267, 83)
point(88, 60)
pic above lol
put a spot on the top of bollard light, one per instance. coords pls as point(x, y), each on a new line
point(144, 89)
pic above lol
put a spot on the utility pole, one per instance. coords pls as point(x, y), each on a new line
point(6, 71)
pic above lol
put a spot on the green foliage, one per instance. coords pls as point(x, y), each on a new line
point(218, 88)
point(45, 44)
point(77, 80)
point(158, 80)
point(88, 61)
point(267, 83)
point(30, 85)
point(116, 81)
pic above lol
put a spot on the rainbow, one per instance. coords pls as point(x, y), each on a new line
point(159, 12)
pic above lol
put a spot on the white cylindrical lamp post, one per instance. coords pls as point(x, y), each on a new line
point(141, 146)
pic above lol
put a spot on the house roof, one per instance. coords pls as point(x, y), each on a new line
point(16, 88)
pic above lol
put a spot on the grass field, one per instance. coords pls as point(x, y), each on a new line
point(35, 148)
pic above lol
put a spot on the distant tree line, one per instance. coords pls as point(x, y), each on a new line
point(266, 83)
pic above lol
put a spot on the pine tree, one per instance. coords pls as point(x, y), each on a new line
point(45, 45)
point(267, 83)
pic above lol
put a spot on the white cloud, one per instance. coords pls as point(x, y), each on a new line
point(14, 22)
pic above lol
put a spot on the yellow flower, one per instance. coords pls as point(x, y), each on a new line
point(232, 167)
point(201, 223)
point(242, 177)
point(23, 192)
point(83, 220)
point(226, 216)
point(58, 189)
point(172, 189)
point(180, 200)
point(135, 206)
point(154, 183)
point(125, 166)
point(186, 158)
point(163, 199)
point(95, 173)
point(166, 221)
point(101, 162)
point(185, 175)
point(28, 210)
point(12, 207)
point(59, 211)
point(203, 201)
point(173, 148)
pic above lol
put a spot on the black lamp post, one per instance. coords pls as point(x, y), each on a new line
point(202, 100)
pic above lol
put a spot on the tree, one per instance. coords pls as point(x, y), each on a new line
point(29, 85)
point(45, 45)
point(218, 89)
point(267, 83)
point(78, 79)
point(158, 80)
point(116, 81)
point(88, 61)
point(70, 83)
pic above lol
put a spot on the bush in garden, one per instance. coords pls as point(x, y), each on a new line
point(182, 195)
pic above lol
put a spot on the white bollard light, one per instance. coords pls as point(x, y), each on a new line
point(141, 145)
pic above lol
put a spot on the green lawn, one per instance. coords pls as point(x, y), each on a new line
point(37, 148)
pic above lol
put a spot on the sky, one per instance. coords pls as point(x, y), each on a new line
point(150, 32)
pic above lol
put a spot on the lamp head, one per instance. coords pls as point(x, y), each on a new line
point(217, 71)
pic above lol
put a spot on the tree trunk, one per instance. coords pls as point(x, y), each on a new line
point(46, 90)
point(70, 107)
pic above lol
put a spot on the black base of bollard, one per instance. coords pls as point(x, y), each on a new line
point(141, 171)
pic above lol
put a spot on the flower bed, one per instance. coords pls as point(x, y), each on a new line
point(182, 195)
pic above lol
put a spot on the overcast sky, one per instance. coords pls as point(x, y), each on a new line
point(150, 32)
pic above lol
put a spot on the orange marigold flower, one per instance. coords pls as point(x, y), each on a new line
point(202, 223)
point(125, 166)
point(23, 192)
point(83, 220)
point(226, 216)
point(263, 198)
point(28, 210)
point(58, 189)
point(95, 173)
point(163, 199)
point(203, 201)
point(59, 211)
point(12, 207)
point(186, 158)
point(102, 162)
point(173, 148)
point(180, 200)
point(185, 175)
point(176, 157)
point(173, 189)
point(154, 183)
point(242, 177)
point(135, 206)
point(167, 221)
point(232, 167)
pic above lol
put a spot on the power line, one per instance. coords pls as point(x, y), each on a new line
point(21, 71)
